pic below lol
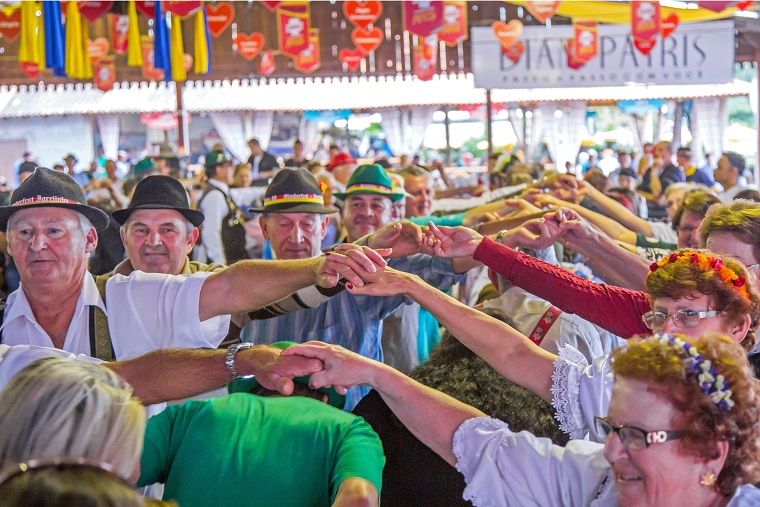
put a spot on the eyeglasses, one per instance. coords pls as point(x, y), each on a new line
point(634, 438)
point(682, 318)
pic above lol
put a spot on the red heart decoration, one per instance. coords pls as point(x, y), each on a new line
point(644, 46)
point(181, 8)
point(98, 48)
point(362, 14)
point(272, 6)
point(147, 9)
point(668, 24)
point(367, 40)
point(220, 17)
point(248, 46)
point(32, 70)
point(542, 10)
point(743, 5)
point(514, 52)
point(507, 33)
point(10, 24)
point(93, 10)
point(352, 58)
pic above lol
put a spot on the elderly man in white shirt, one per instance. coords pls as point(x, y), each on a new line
point(51, 231)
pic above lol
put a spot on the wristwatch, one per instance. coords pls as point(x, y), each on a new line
point(500, 235)
point(230, 358)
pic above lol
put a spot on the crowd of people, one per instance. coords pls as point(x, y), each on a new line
point(358, 333)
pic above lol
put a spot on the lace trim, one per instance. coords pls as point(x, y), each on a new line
point(462, 465)
point(565, 390)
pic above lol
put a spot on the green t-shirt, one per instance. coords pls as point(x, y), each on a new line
point(247, 450)
point(446, 220)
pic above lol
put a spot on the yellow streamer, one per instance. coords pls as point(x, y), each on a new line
point(41, 63)
point(177, 50)
point(134, 46)
point(28, 50)
point(201, 48)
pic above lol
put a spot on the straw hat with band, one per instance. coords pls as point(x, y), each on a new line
point(370, 179)
point(160, 192)
point(249, 384)
point(294, 191)
point(46, 188)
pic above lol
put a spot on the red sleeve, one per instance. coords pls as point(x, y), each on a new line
point(615, 309)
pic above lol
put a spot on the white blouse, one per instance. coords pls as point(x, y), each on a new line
point(502, 468)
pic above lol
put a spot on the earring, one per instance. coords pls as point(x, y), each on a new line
point(707, 480)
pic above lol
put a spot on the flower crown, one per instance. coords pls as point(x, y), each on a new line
point(706, 263)
point(711, 383)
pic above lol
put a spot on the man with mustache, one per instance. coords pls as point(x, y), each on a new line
point(294, 220)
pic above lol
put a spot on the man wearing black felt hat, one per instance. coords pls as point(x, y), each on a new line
point(51, 231)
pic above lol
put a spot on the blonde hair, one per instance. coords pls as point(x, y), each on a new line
point(57, 407)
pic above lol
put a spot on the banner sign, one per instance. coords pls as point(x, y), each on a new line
point(454, 28)
point(104, 71)
point(149, 70)
point(423, 18)
point(695, 53)
point(645, 24)
point(293, 27)
point(426, 57)
point(586, 40)
point(309, 60)
point(118, 26)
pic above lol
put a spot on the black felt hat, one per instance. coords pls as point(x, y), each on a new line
point(46, 188)
point(160, 192)
point(294, 191)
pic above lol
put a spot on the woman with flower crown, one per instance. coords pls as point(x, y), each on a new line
point(682, 428)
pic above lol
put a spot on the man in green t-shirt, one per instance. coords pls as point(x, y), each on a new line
point(250, 450)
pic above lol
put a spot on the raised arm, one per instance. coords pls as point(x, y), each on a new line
point(430, 415)
point(618, 212)
point(615, 309)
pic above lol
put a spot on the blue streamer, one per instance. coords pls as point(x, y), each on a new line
point(161, 43)
point(208, 41)
point(55, 40)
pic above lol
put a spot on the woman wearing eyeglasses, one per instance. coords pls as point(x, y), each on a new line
point(682, 429)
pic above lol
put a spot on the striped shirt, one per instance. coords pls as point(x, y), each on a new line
point(351, 321)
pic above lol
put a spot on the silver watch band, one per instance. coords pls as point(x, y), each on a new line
point(229, 360)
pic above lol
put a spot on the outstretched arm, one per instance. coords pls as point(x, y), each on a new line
point(510, 353)
point(173, 374)
point(430, 415)
point(248, 285)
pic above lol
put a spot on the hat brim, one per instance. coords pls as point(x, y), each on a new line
point(393, 196)
point(248, 384)
point(98, 218)
point(294, 208)
point(195, 217)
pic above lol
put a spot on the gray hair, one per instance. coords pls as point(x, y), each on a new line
point(58, 407)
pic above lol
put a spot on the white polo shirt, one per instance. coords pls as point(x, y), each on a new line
point(146, 311)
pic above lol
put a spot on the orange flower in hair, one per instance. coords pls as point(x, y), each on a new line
point(706, 263)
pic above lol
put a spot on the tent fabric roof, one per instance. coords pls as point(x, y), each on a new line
point(314, 94)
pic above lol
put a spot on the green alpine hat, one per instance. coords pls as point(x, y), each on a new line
point(248, 384)
point(215, 158)
point(370, 179)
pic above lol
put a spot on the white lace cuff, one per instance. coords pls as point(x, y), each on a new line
point(566, 378)
point(485, 424)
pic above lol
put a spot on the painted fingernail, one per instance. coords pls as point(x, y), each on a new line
point(349, 285)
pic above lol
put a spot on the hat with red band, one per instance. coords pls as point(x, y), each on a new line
point(46, 188)
point(294, 191)
point(370, 179)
